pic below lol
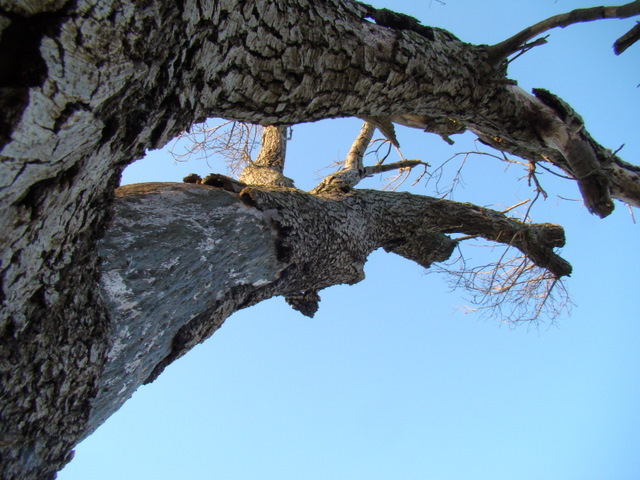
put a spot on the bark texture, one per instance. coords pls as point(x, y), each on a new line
point(268, 168)
point(87, 86)
point(178, 259)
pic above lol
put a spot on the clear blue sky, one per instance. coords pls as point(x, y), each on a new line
point(392, 379)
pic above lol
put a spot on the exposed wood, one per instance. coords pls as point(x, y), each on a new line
point(86, 88)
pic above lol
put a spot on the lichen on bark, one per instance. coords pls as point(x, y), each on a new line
point(86, 87)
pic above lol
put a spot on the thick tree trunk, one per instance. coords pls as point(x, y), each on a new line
point(86, 87)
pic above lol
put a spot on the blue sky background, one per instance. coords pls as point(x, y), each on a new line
point(393, 379)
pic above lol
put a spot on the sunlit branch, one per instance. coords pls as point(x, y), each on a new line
point(273, 148)
point(268, 167)
point(359, 147)
point(513, 290)
point(387, 167)
point(353, 170)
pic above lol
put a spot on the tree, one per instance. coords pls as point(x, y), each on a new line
point(86, 89)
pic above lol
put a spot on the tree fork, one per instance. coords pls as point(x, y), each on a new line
point(91, 86)
point(300, 243)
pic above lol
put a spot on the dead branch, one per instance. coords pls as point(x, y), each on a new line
point(502, 50)
point(507, 210)
point(359, 147)
point(513, 290)
point(528, 46)
point(628, 39)
point(232, 141)
point(403, 173)
point(536, 241)
point(401, 165)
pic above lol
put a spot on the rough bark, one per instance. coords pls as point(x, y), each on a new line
point(86, 87)
point(268, 168)
point(180, 258)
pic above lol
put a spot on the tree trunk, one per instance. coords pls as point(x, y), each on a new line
point(85, 88)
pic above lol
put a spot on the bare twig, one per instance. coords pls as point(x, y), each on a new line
point(633, 216)
point(438, 173)
point(533, 177)
point(401, 165)
point(516, 205)
point(381, 142)
point(232, 141)
point(513, 290)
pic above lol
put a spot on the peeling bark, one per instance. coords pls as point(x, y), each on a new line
point(86, 87)
point(178, 259)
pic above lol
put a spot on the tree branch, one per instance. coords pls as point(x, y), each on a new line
point(628, 39)
point(537, 241)
point(599, 172)
point(353, 171)
point(299, 243)
point(354, 160)
point(502, 50)
point(268, 167)
point(387, 167)
point(93, 89)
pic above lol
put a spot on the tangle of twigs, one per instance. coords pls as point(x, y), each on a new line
point(234, 141)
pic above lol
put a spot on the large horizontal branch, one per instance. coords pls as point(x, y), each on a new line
point(600, 174)
point(209, 252)
point(412, 213)
point(396, 217)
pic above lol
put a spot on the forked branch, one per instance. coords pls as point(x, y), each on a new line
point(268, 167)
point(354, 169)
point(502, 50)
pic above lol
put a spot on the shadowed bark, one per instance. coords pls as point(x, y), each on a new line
point(86, 88)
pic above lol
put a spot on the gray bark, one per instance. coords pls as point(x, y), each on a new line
point(268, 168)
point(86, 87)
point(178, 259)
